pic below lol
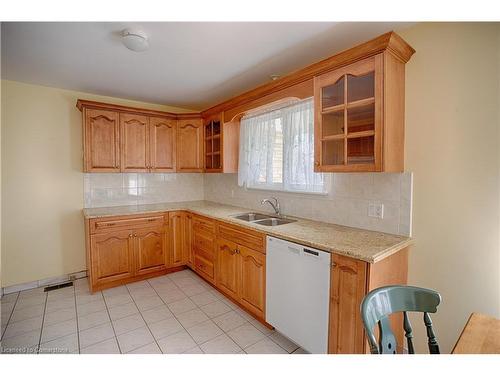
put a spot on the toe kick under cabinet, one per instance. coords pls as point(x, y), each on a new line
point(124, 249)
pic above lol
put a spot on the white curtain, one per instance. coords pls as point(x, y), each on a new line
point(298, 141)
point(285, 137)
point(257, 148)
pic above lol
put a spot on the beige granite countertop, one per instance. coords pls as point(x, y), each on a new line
point(361, 244)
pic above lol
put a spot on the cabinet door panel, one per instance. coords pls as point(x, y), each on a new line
point(150, 250)
point(227, 269)
point(187, 251)
point(176, 228)
point(134, 143)
point(348, 287)
point(162, 144)
point(190, 146)
point(102, 141)
point(252, 280)
point(112, 257)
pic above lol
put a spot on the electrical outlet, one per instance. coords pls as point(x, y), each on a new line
point(376, 210)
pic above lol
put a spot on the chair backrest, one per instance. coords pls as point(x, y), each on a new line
point(381, 302)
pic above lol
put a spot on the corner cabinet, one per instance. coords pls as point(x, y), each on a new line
point(190, 145)
point(359, 116)
point(221, 144)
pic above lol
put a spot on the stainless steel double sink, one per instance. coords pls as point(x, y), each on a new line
point(263, 219)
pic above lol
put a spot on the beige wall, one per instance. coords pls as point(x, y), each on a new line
point(452, 148)
point(42, 181)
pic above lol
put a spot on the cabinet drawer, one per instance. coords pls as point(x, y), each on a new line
point(204, 266)
point(203, 242)
point(203, 224)
point(252, 239)
point(210, 256)
point(111, 224)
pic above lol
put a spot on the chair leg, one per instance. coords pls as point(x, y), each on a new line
point(432, 342)
point(408, 333)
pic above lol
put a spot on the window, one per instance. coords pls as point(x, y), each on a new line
point(277, 150)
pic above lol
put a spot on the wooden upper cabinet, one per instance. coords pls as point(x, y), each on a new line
point(101, 133)
point(134, 130)
point(190, 145)
point(221, 144)
point(162, 133)
point(126, 139)
point(355, 128)
point(359, 105)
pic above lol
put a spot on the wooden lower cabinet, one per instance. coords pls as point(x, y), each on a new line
point(241, 274)
point(126, 254)
point(129, 248)
point(252, 280)
point(188, 253)
point(351, 279)
point(227, 267)
point(177, 241)
point(347, 289)
point(112, 257)
point(204, 252)
point(151, 252)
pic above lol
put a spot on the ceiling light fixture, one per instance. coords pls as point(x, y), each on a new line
point(135, 40)
point(274, 77)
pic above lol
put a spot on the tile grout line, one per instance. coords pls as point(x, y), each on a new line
point(192, 338)
point(43, 320)
point(140, 313)
point(10, 315)
point(210, 319)
point(77, 326)
point(185, 329)
point(110, 322)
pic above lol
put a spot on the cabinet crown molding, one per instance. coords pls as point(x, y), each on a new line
point(390, 42)
point(89, 104)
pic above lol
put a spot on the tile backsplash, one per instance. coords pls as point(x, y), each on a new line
point(120, 189)
point(346, 204)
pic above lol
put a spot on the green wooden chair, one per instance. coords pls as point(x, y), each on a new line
point(381, 302)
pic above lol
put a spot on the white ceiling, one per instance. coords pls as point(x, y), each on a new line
point(190, 65)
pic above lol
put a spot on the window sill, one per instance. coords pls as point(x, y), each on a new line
point(294, 192)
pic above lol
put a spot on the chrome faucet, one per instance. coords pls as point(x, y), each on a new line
point(275, 205)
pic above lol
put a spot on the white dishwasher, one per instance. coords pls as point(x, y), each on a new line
point(298, 293)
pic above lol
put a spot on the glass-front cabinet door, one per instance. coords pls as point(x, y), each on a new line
point(213, 138)
point(348, 103)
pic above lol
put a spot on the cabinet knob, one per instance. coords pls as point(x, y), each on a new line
point(334, 264)
point(130, 235)
point(316, 163)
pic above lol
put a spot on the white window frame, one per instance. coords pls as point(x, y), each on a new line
point(252, 184)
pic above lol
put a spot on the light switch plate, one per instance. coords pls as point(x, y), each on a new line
point(376, 210)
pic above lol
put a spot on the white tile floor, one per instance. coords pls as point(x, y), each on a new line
point(175, 313)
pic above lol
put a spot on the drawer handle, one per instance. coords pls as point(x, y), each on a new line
point(110, 224)
point(151, 220)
